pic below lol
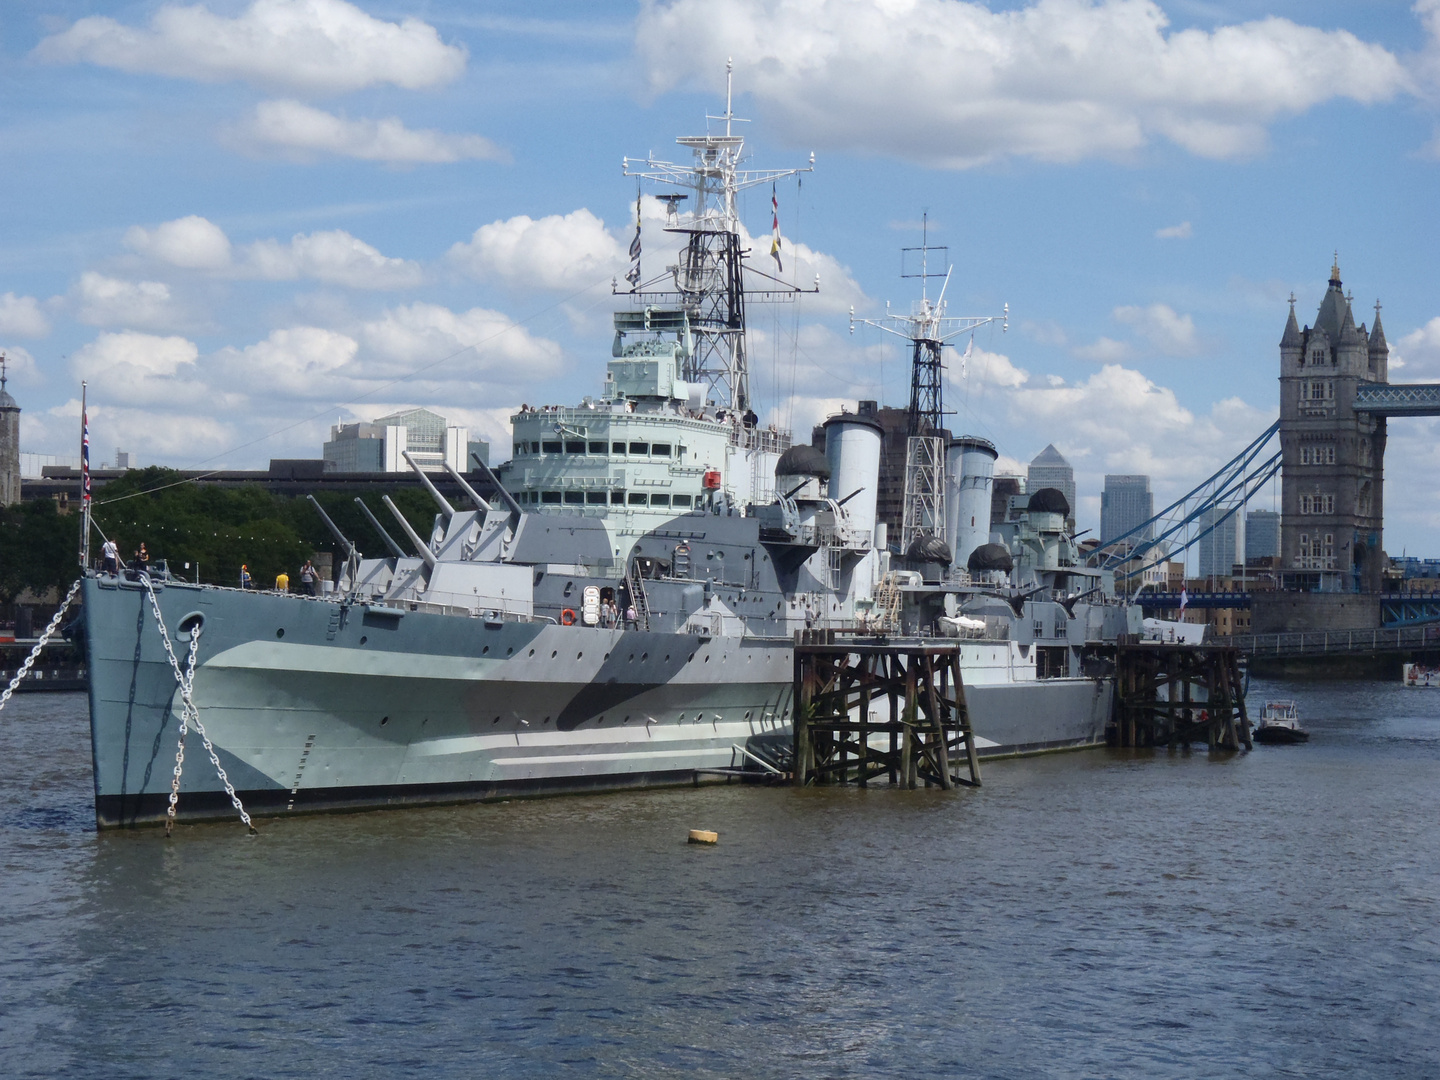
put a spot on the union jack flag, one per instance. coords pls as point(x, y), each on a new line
point(775, 229)
point(85, 455)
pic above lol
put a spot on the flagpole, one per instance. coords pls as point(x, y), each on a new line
point(84, 480)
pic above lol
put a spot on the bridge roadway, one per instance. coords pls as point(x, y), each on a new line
point(1396, 609)
point(1397, 639)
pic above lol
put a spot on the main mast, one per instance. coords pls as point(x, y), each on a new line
point(704, 293)
point(929, 330)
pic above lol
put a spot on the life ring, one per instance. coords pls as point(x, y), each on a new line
point(567, 617)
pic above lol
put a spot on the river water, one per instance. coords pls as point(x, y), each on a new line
point(1095, 914)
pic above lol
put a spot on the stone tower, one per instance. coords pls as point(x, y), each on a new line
point(9, 444)
point(1333, 465)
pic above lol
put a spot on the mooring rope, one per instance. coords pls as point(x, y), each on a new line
point(44, 640)
point(189, 715)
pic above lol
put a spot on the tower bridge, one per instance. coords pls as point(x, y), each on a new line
point(1336, 400)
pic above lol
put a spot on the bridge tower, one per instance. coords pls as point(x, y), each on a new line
point(1333, 474)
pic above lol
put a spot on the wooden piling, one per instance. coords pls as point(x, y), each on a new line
point(838, 677)
point(1202, 696)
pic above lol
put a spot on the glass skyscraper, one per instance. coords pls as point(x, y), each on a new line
point(1125, 504)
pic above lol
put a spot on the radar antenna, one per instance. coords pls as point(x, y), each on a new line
point(706, 291)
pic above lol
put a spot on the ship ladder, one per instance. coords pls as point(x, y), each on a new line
point(44, 640)
point(637, 594)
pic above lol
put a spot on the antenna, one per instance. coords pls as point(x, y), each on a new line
point(701, 298)
point(929, 330)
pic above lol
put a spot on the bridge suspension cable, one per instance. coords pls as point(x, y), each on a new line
point(1197, 513)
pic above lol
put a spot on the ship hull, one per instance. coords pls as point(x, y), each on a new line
point(315, 706)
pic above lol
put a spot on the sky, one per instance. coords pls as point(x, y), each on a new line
point(243, 220)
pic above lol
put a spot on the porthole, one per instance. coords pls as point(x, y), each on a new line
point(496, 720)
point(532, 652)
point(510, 651)
point(578, 655)
point(546, 720)
point(554, 653)
point(280, 632)
point(363, 639)
point(483, 651)
point(644, 656)
point(384, 720)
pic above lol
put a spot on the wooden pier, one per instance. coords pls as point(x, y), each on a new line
point(906, 692)
point(1175, 694)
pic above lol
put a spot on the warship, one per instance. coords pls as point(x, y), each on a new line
point(620, 611)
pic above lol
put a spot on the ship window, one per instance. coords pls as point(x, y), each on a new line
point(617, 497)
point(550, 496)
point(680, 500)
point(617, 448)
point(639, 448)
point(660, 449)
point(521, 448)
point(637, 498)
point(597, 447)
point(573, 497)
point(575, 446)
point(597, 497)
point(659, 500)
point(551, 447)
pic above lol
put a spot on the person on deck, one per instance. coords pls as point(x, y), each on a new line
point(309, 579)
point(282, 582)
point(110, 558)
point(245, 582)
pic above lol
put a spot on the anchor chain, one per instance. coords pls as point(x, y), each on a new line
point(187, 707)
point(44, 640)
point(189, 713)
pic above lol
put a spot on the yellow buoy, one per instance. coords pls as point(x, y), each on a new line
point(703, 836)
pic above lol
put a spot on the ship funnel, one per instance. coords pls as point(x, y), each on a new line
point(852, 447)
point(969, 475)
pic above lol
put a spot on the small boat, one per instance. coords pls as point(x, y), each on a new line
point(1280, 723)
point(1412, 675)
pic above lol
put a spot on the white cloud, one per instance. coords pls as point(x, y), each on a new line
point(20, 316)
point(20, 366)
point(1159, 324)
point(559, 252)
point(1418, 352)
point(312, 46)
point(300, 362)
point(1104, 350)
point(955, 84)
point(334, 256)
point(1183, 231)
point(130, 368)
point(107, 301)
point(985, 369)
point(421, 334)
point(303, 131)
point(192, 243)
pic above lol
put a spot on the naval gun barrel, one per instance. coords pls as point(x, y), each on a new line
point(508, 499)
point(471, 493)
point(421, 547)
point(445, 507)
point(352, 555)
point(395, 549)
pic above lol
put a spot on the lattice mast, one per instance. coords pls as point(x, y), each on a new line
point(929, 331)
point(708, 282)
